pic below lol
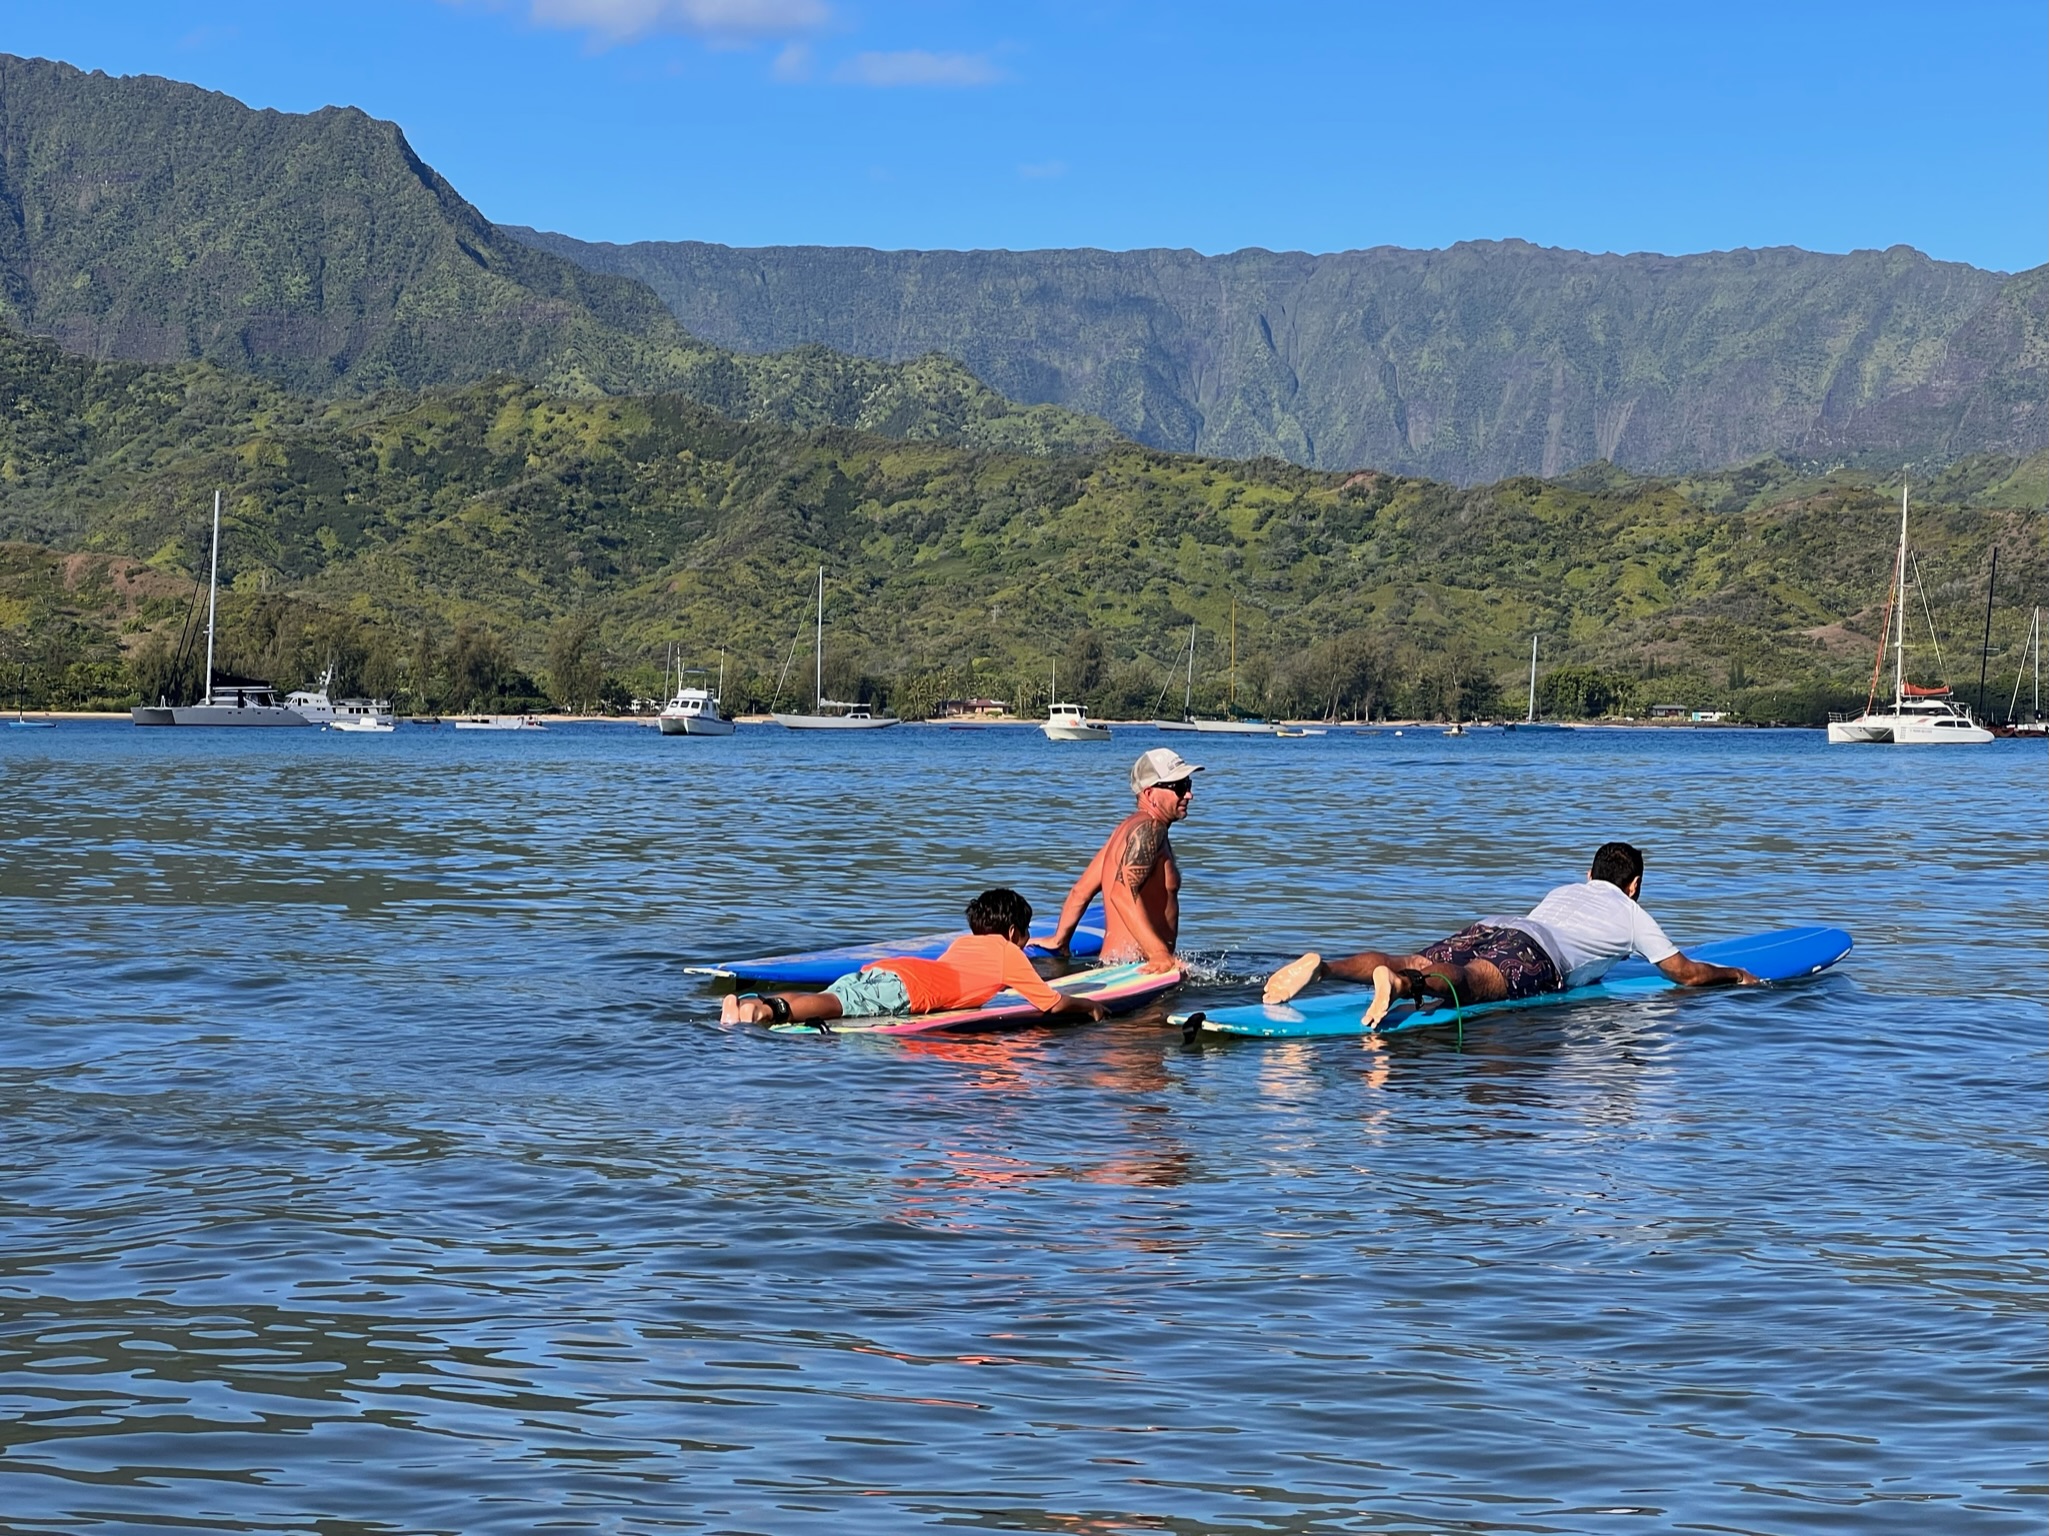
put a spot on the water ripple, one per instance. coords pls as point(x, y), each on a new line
point(371, 1165)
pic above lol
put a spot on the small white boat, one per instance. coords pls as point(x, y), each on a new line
point(21, 721)
point(695, 711)
point(852, 717)
point(499, 723)
point(362, 725)
point(321, 710)
point(1299, 730)
point(1070, 722)
point(1916, 716)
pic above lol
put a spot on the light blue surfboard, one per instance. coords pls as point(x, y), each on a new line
point(1785, 955)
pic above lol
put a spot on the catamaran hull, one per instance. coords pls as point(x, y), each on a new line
point(217, 714)
point(1946, 730)
point(834, 722)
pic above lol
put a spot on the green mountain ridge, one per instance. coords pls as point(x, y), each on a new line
point(1467, 364)
point(152, 221)
point(463, 544)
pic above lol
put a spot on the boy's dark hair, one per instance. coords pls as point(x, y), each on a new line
point(1618, 864)
point(999, 911)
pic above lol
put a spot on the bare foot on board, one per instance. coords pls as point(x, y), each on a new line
point(1291, 978)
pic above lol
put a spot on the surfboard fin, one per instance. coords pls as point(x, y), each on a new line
point(1191, 1027)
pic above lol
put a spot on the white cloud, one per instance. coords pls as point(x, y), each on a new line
point(618, 21)
point(918, 68)
point(793, 65)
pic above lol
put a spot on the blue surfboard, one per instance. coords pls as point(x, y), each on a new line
point(1785, 955)
point(821, 967)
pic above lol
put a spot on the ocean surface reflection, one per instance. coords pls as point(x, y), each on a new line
point(372, 1165)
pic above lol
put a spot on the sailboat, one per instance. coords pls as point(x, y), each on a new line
point(1225, 727)
point(693, 711)
point(2034, 725)
point(1530, 722)
point(856, 716)
point(227, 701)
point(21, 720)
point(1917, 716)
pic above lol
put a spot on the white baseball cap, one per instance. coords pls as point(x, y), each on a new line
point(1162, 765)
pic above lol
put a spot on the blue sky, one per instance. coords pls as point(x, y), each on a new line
point(1288, 124)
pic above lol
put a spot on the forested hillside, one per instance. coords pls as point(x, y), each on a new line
point(148, 220)
point(482, 542)
point(1467, 364)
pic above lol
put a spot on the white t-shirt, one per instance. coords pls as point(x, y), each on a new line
point(1588, 927)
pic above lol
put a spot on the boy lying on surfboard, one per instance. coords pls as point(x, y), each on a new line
point(967, 974)
point(1570, 939)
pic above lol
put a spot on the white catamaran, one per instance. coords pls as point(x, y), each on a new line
point(1916, 716)
point(227, 701)
point(854, 717)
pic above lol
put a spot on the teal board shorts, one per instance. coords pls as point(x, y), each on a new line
point(872, 995)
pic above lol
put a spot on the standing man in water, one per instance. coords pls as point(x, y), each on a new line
point(1135, 870)
point(1571, 939)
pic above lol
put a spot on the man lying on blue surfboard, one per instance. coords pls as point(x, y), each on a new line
point(967, 974)
point(1569, 939)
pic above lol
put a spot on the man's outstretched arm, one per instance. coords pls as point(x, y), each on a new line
point(1697, 973)
point(1077, 903)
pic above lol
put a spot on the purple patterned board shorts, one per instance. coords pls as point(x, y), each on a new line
point(1521, 959)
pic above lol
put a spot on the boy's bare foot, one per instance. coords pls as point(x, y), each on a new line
point(1291, 978)
point(1387, 986)
point(736, 1009)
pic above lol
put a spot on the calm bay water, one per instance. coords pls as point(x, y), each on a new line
point(371, 1165)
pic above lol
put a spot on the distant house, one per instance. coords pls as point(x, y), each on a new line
point(1669, 711)
point(1709, 716)
point(958, 707)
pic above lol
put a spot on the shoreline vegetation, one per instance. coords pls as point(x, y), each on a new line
point(501, 549)
point(1019, 723)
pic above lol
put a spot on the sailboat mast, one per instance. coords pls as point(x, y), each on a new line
point(1531, 717)
point(1188, 693)
point(818, 651)
point(1231, 698)
point(213, 579)
point(1985, 648)
point(1899, 638)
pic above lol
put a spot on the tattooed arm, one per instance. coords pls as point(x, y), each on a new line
point(1135, 860)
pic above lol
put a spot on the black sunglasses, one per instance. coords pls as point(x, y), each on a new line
point(1177, 786)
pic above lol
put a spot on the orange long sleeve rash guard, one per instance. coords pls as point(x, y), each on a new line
point(970, 972)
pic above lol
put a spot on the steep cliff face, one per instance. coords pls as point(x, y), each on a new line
point(151, 221)
point(1479, 361)
point(1989, 391)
